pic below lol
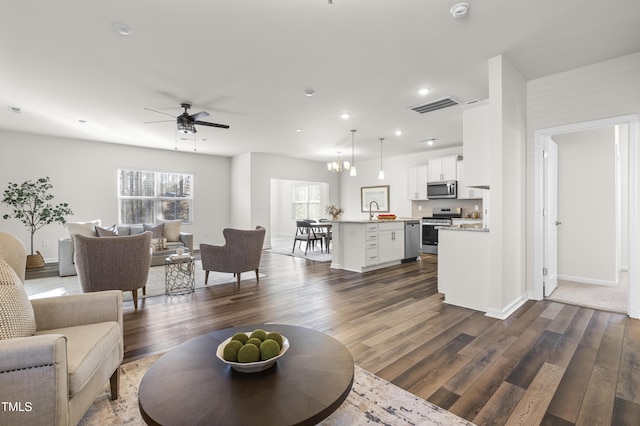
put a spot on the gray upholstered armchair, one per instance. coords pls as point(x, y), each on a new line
point(113, 263)
point(53, 376)
point(241, 253)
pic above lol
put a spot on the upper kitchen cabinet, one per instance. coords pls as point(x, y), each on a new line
point(442, 168)
point(417, 183)
point(476, 146)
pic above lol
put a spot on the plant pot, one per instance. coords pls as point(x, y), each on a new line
point(35, 261)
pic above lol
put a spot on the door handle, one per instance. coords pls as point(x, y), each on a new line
point(558, 223)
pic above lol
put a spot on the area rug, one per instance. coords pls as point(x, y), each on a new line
point(372, 400)
point(282, 245)
point(155, 283)
point(316, 256)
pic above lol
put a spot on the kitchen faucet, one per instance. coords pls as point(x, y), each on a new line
point(370, 211)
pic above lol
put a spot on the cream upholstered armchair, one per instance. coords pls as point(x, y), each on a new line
point(113, 263)
point(56, 353)
point(241, 253)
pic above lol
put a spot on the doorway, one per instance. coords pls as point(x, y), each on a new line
point(293, 200)
point(629, 124)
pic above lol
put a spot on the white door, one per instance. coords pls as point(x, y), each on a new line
point(550, 261)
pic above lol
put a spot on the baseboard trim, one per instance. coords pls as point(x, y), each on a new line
point(587, 280)
point(503, 314)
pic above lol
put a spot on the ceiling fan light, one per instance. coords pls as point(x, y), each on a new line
point(186, 128)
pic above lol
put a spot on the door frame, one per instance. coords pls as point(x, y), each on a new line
point(538, 202)
point(550, 178)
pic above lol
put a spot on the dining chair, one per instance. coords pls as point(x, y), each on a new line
point(306, 233)
point(326, 231)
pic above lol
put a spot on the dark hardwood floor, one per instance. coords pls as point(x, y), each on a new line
point(549, 363)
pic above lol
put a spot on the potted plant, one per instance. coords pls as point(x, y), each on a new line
point(29, 204)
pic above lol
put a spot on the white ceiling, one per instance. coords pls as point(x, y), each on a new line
point(248, 62)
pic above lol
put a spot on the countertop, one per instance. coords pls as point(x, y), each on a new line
point(398, 219)
point(467, 228)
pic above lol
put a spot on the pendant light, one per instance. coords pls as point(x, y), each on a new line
point(353, 161)
point(381, 173)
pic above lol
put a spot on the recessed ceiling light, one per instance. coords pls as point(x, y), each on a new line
point(309, 92)
point(345, 115)
point(122, 29)
point(429, 141)
point(424, 92)
point(298, 130)
point(14, 109)
point(458, 10)
point(398, 132)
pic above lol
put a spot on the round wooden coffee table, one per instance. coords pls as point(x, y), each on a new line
point(190, 385)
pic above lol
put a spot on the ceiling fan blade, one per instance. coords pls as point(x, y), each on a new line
point(161, 121)
point(160, 112)
point(205, 123)
point(199, 115)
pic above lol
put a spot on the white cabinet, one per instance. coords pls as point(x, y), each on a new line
point(464, 283)
point(466, 192)
point(355, 245)
point(417, 183)
point(476, 146)
point(371, 245)
point(363, 246)
point(442, 168)
point(391, 241)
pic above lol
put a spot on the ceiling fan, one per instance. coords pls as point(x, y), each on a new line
point(187, 123)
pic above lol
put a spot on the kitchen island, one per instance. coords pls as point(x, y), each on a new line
point(463, 266)
point(366, 245)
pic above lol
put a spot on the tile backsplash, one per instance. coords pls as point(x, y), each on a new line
point(468, 206)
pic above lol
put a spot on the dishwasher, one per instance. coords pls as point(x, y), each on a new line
point(411, 240)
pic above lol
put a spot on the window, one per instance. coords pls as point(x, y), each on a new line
point(307, 201)
point(144, 197)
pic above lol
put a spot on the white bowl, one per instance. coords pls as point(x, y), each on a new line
point(251, 367)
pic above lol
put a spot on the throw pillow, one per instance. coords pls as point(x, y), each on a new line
point(84, 228)
point(111, 231)
point(16, 313)
point(156, 230)
point(171, 229)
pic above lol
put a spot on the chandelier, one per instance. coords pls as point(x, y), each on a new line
point(338, 166)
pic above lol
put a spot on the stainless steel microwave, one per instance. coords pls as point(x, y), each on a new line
point(445, 189)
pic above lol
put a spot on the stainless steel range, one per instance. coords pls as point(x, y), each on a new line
point(440, 216)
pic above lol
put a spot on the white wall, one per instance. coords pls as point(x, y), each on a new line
point(586, 206)
point(606, 89)
point(507, 243)
point(241, 190)
point(395, 177)
point(83, 174)
point(259, 169)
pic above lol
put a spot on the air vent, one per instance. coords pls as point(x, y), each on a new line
point(435, 105)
